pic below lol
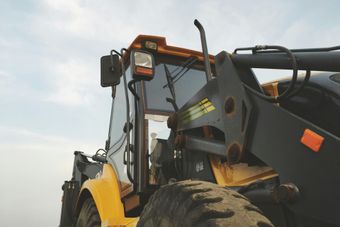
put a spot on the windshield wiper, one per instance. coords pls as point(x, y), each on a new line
point(185, 68)
point(188, 62)
point(169, 80)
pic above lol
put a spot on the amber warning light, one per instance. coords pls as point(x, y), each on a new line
point(312, 140)
point(144, 71)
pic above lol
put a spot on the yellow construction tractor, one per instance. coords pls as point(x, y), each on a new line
point(195, 140)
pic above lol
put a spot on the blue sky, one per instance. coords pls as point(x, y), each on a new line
point(51, 101)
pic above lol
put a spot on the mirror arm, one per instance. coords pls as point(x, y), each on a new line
point(113, 91)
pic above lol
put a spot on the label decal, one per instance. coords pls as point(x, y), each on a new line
point(196, 111)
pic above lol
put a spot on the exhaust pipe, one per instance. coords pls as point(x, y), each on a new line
point(204, 49)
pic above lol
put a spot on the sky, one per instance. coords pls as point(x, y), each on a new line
point(50, 97)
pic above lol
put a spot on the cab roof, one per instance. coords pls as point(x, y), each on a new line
point(163, 48)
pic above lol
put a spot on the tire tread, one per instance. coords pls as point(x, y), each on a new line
point(198, 203)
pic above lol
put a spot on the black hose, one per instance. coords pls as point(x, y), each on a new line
point(292, 83)
point(303, 84)
point(132, 89)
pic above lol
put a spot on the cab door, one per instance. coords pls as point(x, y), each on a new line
point(117, 153)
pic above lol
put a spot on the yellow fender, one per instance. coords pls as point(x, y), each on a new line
point(106, 195)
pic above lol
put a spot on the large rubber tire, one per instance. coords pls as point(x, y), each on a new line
point(197, 203)
point(88, 216)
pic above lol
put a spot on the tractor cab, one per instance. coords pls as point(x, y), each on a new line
point(160, 79)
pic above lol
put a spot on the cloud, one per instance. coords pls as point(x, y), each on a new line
point(34, 168)
point(105, 22)
point(78, 24)
point(88, 29)
point(5, 79)
point(74, 82)
point(303, 34)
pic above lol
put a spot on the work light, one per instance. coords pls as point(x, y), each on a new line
point(142, 65)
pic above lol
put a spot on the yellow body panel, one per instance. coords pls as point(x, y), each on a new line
point(239, 174)
point(106, 194)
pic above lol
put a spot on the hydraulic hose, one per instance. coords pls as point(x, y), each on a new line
point(292, 83)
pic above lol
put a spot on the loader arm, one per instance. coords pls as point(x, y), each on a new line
point(273, 134)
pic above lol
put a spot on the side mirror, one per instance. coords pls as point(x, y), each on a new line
point(142, 65)
point(110, 71)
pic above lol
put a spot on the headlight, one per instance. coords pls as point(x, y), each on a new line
point(142, 65)
point(143, 59)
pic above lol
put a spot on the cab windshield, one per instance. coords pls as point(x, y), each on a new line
point(187, 80)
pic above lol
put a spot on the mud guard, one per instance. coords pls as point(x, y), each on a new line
point(106, 193)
